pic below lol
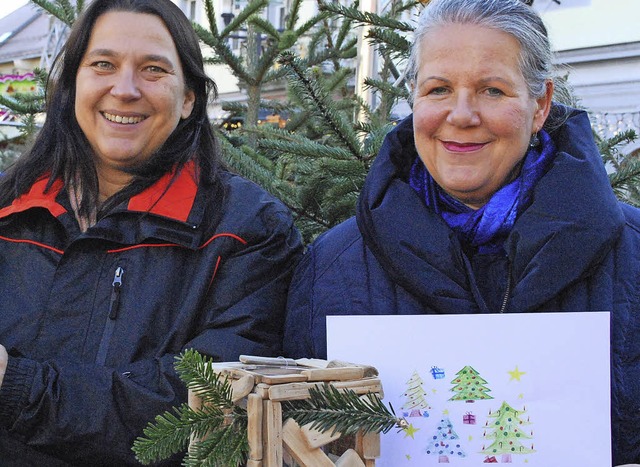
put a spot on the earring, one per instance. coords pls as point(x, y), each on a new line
point(534, 141)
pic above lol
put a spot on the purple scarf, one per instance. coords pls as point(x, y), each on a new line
point(488, 227)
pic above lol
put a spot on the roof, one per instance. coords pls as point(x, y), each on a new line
point(23, 33)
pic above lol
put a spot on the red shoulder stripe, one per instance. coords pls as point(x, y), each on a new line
point(42, 245)
point(37, 198)
point(172, 200)
point(165, 245)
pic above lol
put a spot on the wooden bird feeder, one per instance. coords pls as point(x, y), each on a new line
point(262, 384)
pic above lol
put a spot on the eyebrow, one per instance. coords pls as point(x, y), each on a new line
point(482, 81)
point(146, 58)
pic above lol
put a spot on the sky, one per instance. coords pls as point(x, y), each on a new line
point(8, 6)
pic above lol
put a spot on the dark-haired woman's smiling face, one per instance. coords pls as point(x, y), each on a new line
point(130, 89)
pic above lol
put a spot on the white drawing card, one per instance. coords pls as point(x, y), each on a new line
point(527, 389)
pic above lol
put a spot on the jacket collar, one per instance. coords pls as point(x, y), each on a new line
point(572, 223)
point(168, 198)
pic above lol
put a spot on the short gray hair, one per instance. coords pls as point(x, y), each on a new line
point(511, 16)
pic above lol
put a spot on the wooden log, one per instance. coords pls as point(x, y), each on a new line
point(280, 379)
point(296, 445)
point(369, 371)
point(242, 387)
point(334, 374)
point(262, 390)
point(362, 386)
point(291, 391)
point(194, 401)
point(316, 438)
point(368, 445)
point(272, 433)
point(350, 458)
point(254, 426)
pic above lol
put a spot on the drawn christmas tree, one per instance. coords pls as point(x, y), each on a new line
point(445, 442)
point(469, 386)
point(415, 404)
point(507, 433)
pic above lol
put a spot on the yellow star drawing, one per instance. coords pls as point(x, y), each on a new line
point(410, 431)
point(516, 374)
point(520, 396)
point(445, 412)
point(408, 456)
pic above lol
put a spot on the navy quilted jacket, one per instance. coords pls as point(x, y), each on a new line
point(93, 321)
point(576, 248)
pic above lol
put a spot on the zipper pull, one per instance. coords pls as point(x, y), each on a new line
point(115, 293)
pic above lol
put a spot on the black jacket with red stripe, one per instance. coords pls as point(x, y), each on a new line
point(93, 321)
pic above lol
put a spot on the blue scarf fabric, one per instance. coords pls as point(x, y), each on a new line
point(486, 228)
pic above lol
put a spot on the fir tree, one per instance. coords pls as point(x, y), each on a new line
point(415, 403)
point(469, 386)
point(317, 162)
point(445, 442)
point(507, 433)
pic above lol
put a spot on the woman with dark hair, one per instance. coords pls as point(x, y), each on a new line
point(489, 198)
point(123, 241)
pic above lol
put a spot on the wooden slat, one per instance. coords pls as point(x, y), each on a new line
point(296, 445)
point(316, 438)
point(350, 458)
point(368, 445)
point(362, 386)
point(242, 387)
point(334, 374)
point(254, 426)
point(291, 391)
point(272, 433)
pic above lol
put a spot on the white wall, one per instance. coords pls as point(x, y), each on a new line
point(600, 42)
point(576, 24)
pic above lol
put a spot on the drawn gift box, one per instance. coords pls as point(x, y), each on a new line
point(437, 373)
point(469, 419)
point(490, 460)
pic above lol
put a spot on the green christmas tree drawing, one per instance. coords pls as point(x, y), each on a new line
point(507, 433)
point(469, 386)
point(445, 442)
point(415, 403)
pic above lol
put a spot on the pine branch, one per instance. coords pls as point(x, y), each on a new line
point(320, 103)
point(309, 149)
point(225, 54)
point(203, 380)
point(171, 432)
point(252, 8)
point(264, 26)
point(365, 18)
point(61, 9)
point(226, 447)
point(386, 88)
point(309, 24)
point(342, 412)
point(220, 424)
point(391, 43)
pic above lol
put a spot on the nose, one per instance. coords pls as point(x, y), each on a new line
point(464, 112)
point(125, 85)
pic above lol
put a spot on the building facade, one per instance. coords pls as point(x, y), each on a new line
point(597, 42)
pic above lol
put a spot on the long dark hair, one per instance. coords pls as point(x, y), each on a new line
point(61, 149)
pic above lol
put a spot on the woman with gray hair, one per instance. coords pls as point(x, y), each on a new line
point(489, 198)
